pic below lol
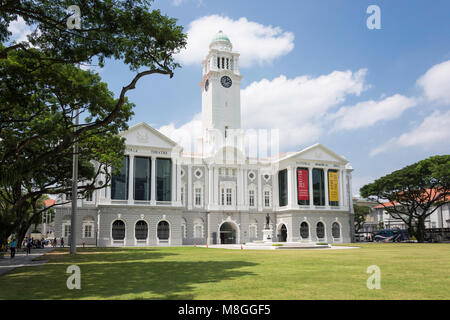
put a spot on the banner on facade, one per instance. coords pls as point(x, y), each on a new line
point(333, 186)
point(302, 184)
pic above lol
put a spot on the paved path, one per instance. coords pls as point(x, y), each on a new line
point(22, 260)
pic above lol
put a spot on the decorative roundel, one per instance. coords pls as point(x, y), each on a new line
point(198, 173)
point(226, 81)
point(206, 85)
point(251, 175)
point(266, 177)
point(182, 173)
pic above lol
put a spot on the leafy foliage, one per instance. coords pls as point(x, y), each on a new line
point(413, 193)
point(43, 90)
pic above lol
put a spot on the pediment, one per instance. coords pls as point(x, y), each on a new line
point(318, 152)
point(144, 135)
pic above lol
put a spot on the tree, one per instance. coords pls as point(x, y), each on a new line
point(360, 216)
point(42, 91)
point(413, 193)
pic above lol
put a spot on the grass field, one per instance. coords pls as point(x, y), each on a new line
point(408, 271)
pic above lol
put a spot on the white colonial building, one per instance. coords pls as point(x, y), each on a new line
point(164, 196)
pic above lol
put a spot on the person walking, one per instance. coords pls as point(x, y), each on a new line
point(55, 242)
point(13, 248)
point(29, 245)
point(62, 242)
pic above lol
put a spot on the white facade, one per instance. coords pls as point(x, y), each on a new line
point(219, 195)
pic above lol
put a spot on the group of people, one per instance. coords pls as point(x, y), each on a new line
point(28, 243)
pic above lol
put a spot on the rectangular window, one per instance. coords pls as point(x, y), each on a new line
point(66, 230)
point(89, 196)
point(252, 232)
point(119, 183)
point(142, 178)
point(163, 179)
point(198, 196)
point(303, 186)
point(318, 187)
point(229, 202)
point(198, 232)
point(251, 196)
point(88, 231)
point(283, 188)
point(267, 198)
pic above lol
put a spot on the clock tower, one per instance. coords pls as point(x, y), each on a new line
point(221, 92)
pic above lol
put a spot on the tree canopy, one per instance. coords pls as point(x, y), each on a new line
point(413, 193)
point(42, 90)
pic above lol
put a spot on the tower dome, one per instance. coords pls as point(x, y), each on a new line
point(221, 40)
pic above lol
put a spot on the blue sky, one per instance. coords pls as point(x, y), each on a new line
point(381, 97)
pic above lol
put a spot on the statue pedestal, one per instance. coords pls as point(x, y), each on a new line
point(267, 235)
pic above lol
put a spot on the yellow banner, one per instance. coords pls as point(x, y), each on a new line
point(333, 186)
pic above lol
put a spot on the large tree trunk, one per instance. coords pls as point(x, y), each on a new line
point(420, 230)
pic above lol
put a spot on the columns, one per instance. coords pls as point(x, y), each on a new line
point(173, 184)
point(289, 185)
point(244, 180)
point(240, 185)
point(108, 189)
point(293, 188)
point(260, 191)
point(327, 202)
point(341, 189)
point(210, 186)
point(310, 185)
point(153, 184)
point(189, 187)
point(275, 190)
point(216, 186)
point(131, 180)
point(179, 182)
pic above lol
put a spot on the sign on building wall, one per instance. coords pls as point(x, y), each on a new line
point(333, 186)
point(302, 184)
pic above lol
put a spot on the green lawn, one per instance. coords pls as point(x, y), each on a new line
point(408, 271)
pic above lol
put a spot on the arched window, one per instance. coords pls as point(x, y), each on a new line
point(252, 230)
point(163, 230)
point(198, 228)
point(118, 230)
point(304, 230)
point(336, 230)
point(320, 230)
point(141, 230)
point(183, 228)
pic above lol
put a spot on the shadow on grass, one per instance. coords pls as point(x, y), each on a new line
point(119, 274)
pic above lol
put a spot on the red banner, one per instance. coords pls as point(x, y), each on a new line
point(302, 184)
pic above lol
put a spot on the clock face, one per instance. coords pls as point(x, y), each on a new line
point(206, 85)
point(226, 81)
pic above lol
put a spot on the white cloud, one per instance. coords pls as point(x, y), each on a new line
point(178, 3)
point(19, 30)
point(255, 42)
point(186, 135)
point(367, 113)
point(297, 107)
point(434, 131)
point(436, 83)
